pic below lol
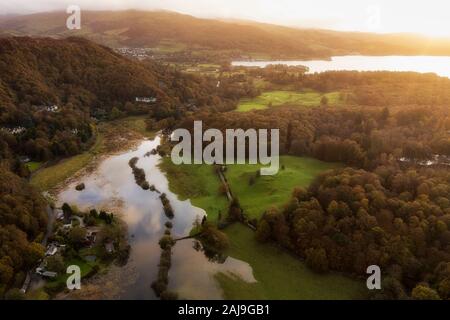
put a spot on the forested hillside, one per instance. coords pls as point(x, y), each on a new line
point(174, 31)
point(50, 89)
point(52, 93)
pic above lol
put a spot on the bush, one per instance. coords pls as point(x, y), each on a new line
point(422, 292)
point(169, 225)
point(166, 242)
point(56, 264)
point(263, 232)
point(212, 239)
point(317, 260)
point(14, 294)
point(168, 295)
point(80, 187)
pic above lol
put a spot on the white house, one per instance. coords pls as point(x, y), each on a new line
point(14, 131)
point(146, 99)
point(52, 108)
point(51, 249)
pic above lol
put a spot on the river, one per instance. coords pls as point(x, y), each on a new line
point(439, 65)
point(112, 187)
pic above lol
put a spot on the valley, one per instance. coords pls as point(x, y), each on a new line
point(86, 122)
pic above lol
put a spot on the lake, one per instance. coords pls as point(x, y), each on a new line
point(439, 65)
point(112, 187)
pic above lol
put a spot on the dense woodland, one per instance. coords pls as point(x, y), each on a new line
point(350, 219)
point(23, 221)
point(363, 137)
point(86, 82)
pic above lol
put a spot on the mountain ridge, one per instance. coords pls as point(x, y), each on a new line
point(136, 28)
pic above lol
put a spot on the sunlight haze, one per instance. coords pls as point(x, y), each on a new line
point(431, 17)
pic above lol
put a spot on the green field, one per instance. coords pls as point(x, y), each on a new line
point(58, 283)
point(199, 183)
point(279, 275)
point(274, 190)
point(279, 98)
point(33, 165)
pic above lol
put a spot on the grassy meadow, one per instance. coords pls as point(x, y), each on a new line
point(279, 274)
point(280, 98)
point(199, 183)
point(267, 191)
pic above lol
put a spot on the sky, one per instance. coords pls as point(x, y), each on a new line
point(429, 17)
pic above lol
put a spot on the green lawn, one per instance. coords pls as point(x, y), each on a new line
point(199, 183)
point(33, 165)
point(59, 283)
point(280, 275)
point(279, 98)
point(274, 190)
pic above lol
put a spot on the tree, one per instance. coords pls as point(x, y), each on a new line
point(77, 236)
point(317, 260)
point(444, 288)
point(422, 292)
point(263, 232)
point(35, 252)
point(14, 294)
point(6, 272)
point(56, 264)
point(115, 114)
point(213, 239)
point(166, 242)
point(67, 210)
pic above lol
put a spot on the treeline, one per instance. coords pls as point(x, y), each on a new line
point(357, 136)
point(350, 219)
point(23, 220)
point(377, 88)
point(383, 88)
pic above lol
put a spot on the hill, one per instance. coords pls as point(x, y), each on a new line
point(173, 31)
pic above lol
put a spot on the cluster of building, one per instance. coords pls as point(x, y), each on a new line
point(14, 130)
point(146, 99)
point(56, 248)
point(52, 108)
point(436, 160)
point(136, 53)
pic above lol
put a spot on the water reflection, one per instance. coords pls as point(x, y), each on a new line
point(112, 187)
point(422, 64)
